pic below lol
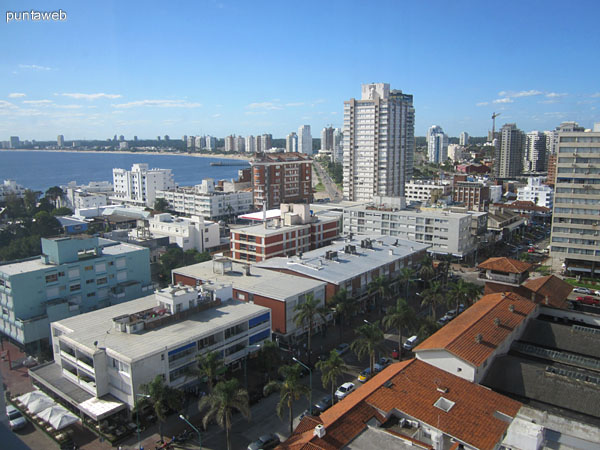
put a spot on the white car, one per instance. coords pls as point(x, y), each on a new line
point(597, 293)
point(15, 418)
point(344, 390)
point(583, 290)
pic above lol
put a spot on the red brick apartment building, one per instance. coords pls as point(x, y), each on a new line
point(281, 178)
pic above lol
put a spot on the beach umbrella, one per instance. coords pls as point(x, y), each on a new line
point(36, 401)
point(58, 417)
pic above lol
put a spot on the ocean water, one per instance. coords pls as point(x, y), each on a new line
point(39, 170)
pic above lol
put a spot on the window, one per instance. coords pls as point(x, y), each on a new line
point(101, 281)
point(89, 268)
point(74, 287)
point(51, 278)
point(89, 281)
point(91, 294)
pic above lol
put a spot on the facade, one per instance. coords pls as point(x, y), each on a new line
point(10, 187)
point(327, 138)
point(229, 143)
point(509, 155)
point(60, 141)
point(205, 201)
point(194, 233)
point(437, 145)
point(280, 293)
point(455, 152)
point(305, 140)
point(72, 276)
point(475, 195)
point(534, 159)
point(250, 144)
point(575, 240)
point(138, 186)
point(291, 143)
point(281, 178)
point(108, 354)
point(379, 143)
point(295, 231)
point(422, 190)
point(337, 154)
point(536, 192)
point(445, 233)
point(551, 169)
point(464, 139)
point(14, 142)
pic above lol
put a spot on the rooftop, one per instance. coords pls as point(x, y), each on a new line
point(475, 334)
point(95, 330)
point(261, 230)
point(264, 282)
point(504, 264)
point(551, 287)
point(280, 157)
point(478, 416)
point(347, 264)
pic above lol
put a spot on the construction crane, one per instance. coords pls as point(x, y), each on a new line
point(494, 115)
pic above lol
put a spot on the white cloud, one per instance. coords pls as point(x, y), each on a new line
point(295, 104)
point(555, 94)
point(264, 105)
point(33, 67)
point(69, 106)
point(38, 102)
point(504, 100)
point(511, 94)
point(16, 95)
point(217, 115)
point(78, 95)
point(482, 103)
point(159, 104)
point(596, 95)
point(5, 104)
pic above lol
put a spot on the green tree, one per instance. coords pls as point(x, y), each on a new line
point(370, 340)
point(458, 293)
point(162, 397)
point(305, 313)
point(30, 200)
point(427, 327)
point(345, 307)
point(161, 205)
point(400, 316)
point(226, 397)
point(433, 296)
point(62, 211)
point(269, 357)
point(290, 390)
point(407, 276)
point(331, 369)
point(175, 257)
point(426, 272)
point(380, 288)
point(45, 225)
point(209, 366)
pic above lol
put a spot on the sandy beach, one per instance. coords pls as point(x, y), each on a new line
point(125, 152)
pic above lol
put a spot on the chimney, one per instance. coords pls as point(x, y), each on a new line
point(478, 338)
point(319, 431)
point(547, 300)
point(247, 270)
point(511, 308)
point(496, 321)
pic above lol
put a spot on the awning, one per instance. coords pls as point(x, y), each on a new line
point(36, 401)
point(58, 417)
point(98, 408)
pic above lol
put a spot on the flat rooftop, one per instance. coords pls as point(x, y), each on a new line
point(97, 327)
point(268, 283)
point(386, 249)
point(261, 230)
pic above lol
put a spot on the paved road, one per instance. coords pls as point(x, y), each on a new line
point(330, 187)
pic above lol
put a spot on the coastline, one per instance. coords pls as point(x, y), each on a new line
point(124, 152)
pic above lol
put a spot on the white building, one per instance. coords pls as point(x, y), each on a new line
point(327, 138)
point(192, 233)
point(250, 144)
point(305, 140)
point(10, 187)
point(437, 145)
point(239, 144)
point(464, 139)
point(291, 143)
point(534, 157)
point(536, 192)
point(203, 200)
point(379, 143)
point(229, 143)
point(455, 152)
point(421, 190)
point(138, 186)
point(337, 153)
point(80, 199)
point(103, 357)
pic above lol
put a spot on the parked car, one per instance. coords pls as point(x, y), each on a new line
point(384, 362)
point(364, 375)
point(325, 403)
point(314, 411)
point(16, 420)
point(444, 319)
point(583, 290)
point(342, 348)
point(266, 441)
point(344, 390)
point(597, 293)
point(410, 343)
point(588, 300)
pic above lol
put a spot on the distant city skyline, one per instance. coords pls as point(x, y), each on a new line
point(153, 69)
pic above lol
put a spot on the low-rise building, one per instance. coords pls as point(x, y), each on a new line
point(138, 186)
point(423, 190)
point(503, 222)
point(10, 187)
point(193, 233)
point(280, 293)
point(73, 275)
point(103, 358)
point(474, 194)
point(537, 192)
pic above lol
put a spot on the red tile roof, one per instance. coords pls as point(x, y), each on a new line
point(459, 336)
point(504, 264)
point(552, 288)
point(479, 416)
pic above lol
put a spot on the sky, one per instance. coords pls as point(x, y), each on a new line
point(223, 67)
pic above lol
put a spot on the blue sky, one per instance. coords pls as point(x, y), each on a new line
point(221, 67)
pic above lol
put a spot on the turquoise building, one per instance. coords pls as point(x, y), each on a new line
point(73, 275)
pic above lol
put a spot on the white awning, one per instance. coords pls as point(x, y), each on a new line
point(98, 408)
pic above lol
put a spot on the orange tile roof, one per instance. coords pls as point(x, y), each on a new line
point(504, 264)
point(552, 287)
point(459, 336)
point(412, 387)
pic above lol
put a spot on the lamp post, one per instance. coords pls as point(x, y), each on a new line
point(137, 417)
point(182, 417)
point(310, 382)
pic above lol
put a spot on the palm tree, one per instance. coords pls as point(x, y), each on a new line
point(433, 296)
point(407, 275)
point(290, 389)
point(331, 369)
point(400, 316)
point(380, 286)
point(209, 365)
point(370, 340)
point(269, 357)
point(458, 293)
point(162, 397)
point(226, 396)
point(345, 307)
point(474, 291)
point(305, 315)
point(426, 271)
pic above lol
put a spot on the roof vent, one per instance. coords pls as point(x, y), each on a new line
point(478, 338)
point(444, 404)
point(496, 321)
point(442, 389)
point(319, 431)
point(511, 308)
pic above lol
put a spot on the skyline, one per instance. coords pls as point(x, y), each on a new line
point(221, 68)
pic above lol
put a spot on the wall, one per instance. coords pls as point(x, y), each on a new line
point(447, 362)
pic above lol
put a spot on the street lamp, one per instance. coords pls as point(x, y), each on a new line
point(182, 417)
point(310, 382)
point(137, 417)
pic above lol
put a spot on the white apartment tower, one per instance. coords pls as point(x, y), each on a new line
point(229, 143)
point(337, 154)
point(464, 139)
point(250, 144)
point(327, 138)
point(509, 155)
point(291, 143)
point(534, 159)
point(304, 140)
point(379, 143)
point(138, 186)
point(238, 144)
point(437, 145)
